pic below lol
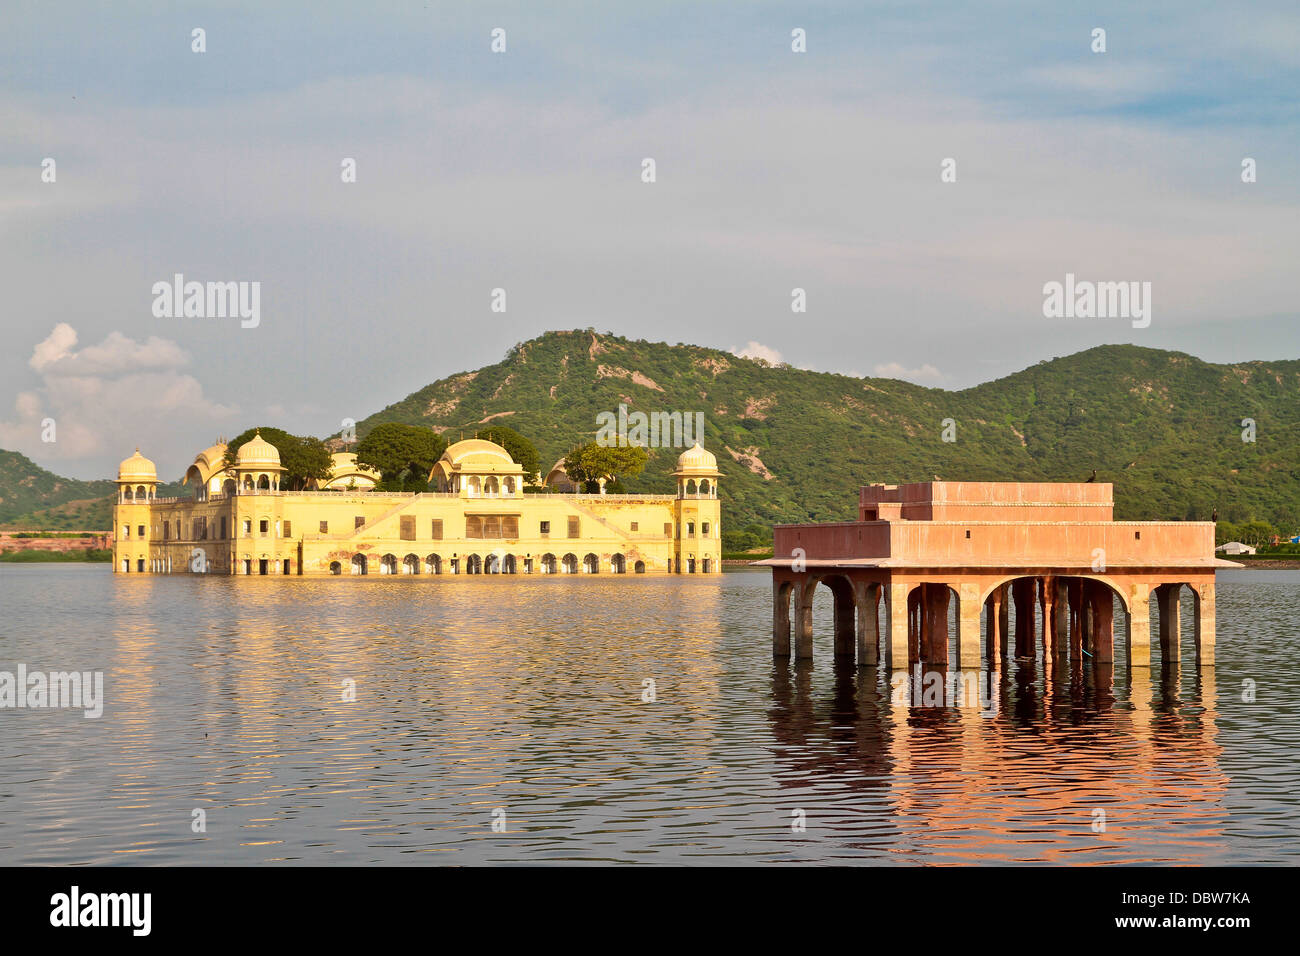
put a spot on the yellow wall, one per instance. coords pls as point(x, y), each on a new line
point(605, 530)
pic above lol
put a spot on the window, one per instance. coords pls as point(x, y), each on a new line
point(324, 527)
point(968, 532)
point(167, 528)
point(690, 529)
point(436, 529)
point(264, 526)
point(573, 527)
point(126, 531)
point(407, 531)
point(140, 530)
point(492, 526)
point(223, 528)
point(704, 529)
point(636, 526)
point(288, 529)
point(358, 521)
point(248, 526)
point(546, 529)
point(668, 529)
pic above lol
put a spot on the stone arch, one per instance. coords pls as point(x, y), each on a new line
point(473, 487)
point(508, 486)
point(639, 567)
point(492, 564)
point(690, 486)
point(491, 488)
point(411, 564)
point(570, 563)
point(1060, 613)
point(360, 564)
point(590, 564)
point(509, 565)
point(548, 564)
point(473, 564)
point(705, 487)
point(618, 564)
point(433, 563)
point(336, 568)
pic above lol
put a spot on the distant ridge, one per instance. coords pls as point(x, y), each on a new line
point(1164, 427)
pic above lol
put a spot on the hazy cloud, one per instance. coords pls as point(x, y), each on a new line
point(106, 397)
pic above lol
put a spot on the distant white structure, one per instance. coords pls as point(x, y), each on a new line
point(1235, 547)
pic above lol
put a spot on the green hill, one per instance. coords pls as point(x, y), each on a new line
point(36, 499)
point(31, 497)
point(794, 445)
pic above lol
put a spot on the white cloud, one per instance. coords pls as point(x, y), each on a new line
point(106, 398)
point(757, 350)
point(927, 374)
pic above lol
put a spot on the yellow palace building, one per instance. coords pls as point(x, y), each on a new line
point(479, 521)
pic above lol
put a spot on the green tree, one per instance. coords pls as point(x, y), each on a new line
point(304, 458)
point(521, 450)
point(1257, 534)
point(587, 464)
point(402, 454)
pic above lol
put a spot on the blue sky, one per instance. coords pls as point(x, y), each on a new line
point(521, 170)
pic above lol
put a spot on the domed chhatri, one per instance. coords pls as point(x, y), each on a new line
point(257, 452)
point(137, 468)
point(475, 518)
point(698, 462)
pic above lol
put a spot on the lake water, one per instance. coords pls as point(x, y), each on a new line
point(519, 700)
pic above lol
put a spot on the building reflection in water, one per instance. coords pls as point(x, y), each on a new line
point(1047, 764)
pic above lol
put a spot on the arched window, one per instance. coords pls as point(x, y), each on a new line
point(704, 486)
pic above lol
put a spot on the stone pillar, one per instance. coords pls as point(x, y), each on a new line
point(914, 623)
point(844, 630)
point(1004, 620)
point(1074, 595)
point(868, 602)
point(968, 627)
point(1139, 626)
point(803, 619)
point(1060, 626)
point(992, 614)
point(781, 618)
point(896, 620)
point(1205, 623)
point(934, 627)
point(1102, 611)
point(1167, 602)
point(1022, 592)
